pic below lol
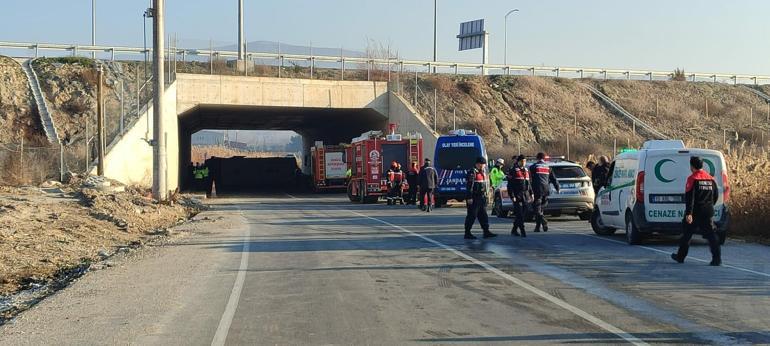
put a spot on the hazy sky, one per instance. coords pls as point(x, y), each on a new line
point(697, 35)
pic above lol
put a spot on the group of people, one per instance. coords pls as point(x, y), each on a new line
point(525, 185)
point(420, 180)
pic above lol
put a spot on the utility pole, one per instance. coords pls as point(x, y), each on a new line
point(100, 120)
point(93, 27)
point(241, 44)
point(435, 16)
point(159, 190)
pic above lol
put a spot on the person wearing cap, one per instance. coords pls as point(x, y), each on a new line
point(541, 176)
point(427, 180)
point(477, 187)
point(520, 191)
point(701, 193)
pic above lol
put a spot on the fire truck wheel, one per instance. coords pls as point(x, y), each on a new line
point(351, 196)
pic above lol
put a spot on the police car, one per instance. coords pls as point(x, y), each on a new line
point(644, 193)
point(576, 195)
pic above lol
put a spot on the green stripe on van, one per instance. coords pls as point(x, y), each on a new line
point(615, 187)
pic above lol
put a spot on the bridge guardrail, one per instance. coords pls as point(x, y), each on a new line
point(398, 63)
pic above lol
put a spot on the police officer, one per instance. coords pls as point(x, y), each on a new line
point(427, 179)
point(541, 176)
point(476, 199)
point(701, 193)
point(412, 177)
point(520, 190)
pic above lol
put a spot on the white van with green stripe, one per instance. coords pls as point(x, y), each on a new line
point(645, 191)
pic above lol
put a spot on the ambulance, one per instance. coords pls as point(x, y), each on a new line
point(645, 191)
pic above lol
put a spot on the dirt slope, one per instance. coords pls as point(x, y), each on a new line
point(17, 109)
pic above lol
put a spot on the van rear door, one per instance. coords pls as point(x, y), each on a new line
point(666, 173)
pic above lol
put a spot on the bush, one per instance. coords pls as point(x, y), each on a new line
point(679, 75)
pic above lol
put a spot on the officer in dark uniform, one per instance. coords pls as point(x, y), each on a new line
point(701, 193)
point(520, 190)
point(412, 179)
point(541, 176)
point(477, 185)
point(427, 180)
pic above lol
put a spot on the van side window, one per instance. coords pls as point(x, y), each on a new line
point(611, 173)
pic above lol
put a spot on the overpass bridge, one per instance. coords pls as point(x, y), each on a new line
point(329, 111)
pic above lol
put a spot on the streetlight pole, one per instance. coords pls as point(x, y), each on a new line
point(93, 27)
point(505, 51)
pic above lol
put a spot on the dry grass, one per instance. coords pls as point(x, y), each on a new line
point(202, 152)
point(750, 197)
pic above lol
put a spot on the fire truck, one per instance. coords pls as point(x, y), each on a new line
point(371, 155)
point(329, 164)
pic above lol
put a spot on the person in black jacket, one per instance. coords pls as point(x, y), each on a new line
point(477, 185)
point(599, 173)
point(701, 193)
point(412, 177)
point(541, 176)
point(427, 180)
point(520, 191)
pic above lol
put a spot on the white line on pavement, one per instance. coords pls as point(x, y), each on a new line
point(665, 252)
point(232, 303)
point(559, 302)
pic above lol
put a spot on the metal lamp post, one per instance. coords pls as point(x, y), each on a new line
point(505, 52)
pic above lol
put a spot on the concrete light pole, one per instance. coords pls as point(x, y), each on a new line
point(505, 52)
point(93, 27)
point(159, 189)
point(241, 44)
point(435, 16)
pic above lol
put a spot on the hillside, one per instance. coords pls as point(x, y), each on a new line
point(541, 111)
point(18, 115)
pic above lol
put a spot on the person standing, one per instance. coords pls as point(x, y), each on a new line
point(520, 191)
point(427, 180)
point(476, 199)
point(599, 173)
point(395, 180)
point(541, 176)
point(412, 177)
point(701, 193)
point(497, 173)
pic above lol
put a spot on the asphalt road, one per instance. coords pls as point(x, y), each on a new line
point(284, 269)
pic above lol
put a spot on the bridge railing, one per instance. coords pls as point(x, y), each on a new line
point(354, 67)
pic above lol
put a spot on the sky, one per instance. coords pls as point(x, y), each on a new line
point(716, 36)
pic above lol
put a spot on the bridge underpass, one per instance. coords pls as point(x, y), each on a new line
point(329, 111)
point(330, 125)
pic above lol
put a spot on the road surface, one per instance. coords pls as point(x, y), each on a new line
point(283, 269)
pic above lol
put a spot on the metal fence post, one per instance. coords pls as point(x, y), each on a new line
point(21, 160)
point(342, 64)
point(312, 66)
point(122, 103)
point(368, 70)
point(415, 88)
point(435, 110)
point(61, 162)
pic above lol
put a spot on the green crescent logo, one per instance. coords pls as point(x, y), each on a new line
point(712, 169)
point(658, 175)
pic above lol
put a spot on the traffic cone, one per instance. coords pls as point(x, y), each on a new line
point(213, 189)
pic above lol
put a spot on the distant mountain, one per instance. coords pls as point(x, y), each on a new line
point(272, 47)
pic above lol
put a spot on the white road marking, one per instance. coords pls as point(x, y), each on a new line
point(232, 304)
point(559, 302)
point(665, 252)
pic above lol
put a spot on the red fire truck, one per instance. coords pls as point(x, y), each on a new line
point(329, 165)
point(371, 155)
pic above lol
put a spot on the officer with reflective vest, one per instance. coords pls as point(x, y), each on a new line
point(476, 201)
point(701, 193)
point(496, 174)
point(520, 191)
point(541, 176)
point(198, 176)
point(395, 184)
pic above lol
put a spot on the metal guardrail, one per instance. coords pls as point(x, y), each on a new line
point(633, 119)
point(759, 93)
point(397, 62)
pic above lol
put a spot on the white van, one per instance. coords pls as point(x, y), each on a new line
point(645, 191)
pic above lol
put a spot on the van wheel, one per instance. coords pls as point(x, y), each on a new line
point(598, 226)
point(441, 202)
point(633, 237)
point(585, 216)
